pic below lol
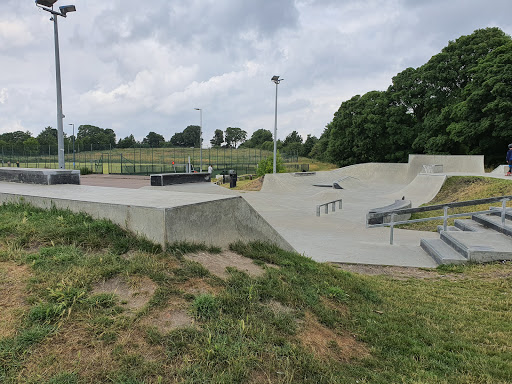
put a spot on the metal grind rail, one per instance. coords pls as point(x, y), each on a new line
point(326, 205)
point(446, 216)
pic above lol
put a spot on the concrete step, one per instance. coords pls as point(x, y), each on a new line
point(494, 222)
point(441, 252)
point(448, 228)
point(469, 225)
point(479, 247)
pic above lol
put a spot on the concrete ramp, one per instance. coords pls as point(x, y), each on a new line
point(421, 190)
point(161, 216)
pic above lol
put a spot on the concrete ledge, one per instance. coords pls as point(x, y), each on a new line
point(162, 179)
point(162, 217)
point(39, 176)
point(383, 214)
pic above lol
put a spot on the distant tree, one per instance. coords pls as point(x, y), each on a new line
point(293, 137)
point(31, 145)
point(218, 138)
point(177, 140)
point(308, 145)
point(127, 142)
point(48, 136)
point(258, 138)
point(99, 138)
point(234, 136)
point(191, 136)
point(154, 140)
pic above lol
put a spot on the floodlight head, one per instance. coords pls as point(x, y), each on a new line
point(275, 78)
point(46, 3)
point(66, 8)
point(197, 109)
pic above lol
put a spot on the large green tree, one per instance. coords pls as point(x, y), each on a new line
point(154, 140)
point(98, 138)
point(234, 136)
point(218, 138)
point(47, 137)
point(459, 102)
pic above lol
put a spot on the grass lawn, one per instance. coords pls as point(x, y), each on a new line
point(85, 302)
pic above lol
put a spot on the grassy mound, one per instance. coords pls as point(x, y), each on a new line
point(462, 188)
point(85, 302)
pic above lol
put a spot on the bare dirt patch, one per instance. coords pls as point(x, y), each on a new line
point(174, 316)
point(13, 279)
point(198, 286)
point(217, 263)
point(327, 344)
point(134, 292)
point(399, 273)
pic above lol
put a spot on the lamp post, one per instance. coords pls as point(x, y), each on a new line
point(200, 138)
point(73, 145)
point(47, 5)
point(276, 80)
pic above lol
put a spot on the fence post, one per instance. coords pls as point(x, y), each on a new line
point(326, 208)
point(445, 220)
point(318, 210)
point(333, 206)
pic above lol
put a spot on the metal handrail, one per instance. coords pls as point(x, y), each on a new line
point(445, 216)
point(333, 209)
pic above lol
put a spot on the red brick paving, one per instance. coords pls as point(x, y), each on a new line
point(117, 181)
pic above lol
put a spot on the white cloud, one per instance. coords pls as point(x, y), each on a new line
point(3, 95)
point(14, 34)
point(139, 69)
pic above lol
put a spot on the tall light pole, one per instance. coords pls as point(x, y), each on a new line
point(73, 145)
point(200, 138)
point(276, 80)
point(47, 5)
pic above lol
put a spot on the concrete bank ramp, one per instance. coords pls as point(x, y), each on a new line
point(161, 216)
point(422, 189)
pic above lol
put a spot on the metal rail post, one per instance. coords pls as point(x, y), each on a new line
point(392, 227)
point(445, 220)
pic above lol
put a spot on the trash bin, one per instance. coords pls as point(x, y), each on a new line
point(232, 179)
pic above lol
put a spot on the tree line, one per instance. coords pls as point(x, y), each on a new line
point(459, 103)
point(90, 137)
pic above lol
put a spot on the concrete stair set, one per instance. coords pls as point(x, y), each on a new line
point(480, 239)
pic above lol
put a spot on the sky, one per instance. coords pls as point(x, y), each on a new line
point(137, 67)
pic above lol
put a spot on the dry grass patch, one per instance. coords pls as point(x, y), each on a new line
point(13, 280)
point(134, 292)
point(327, 344)
point(217, 263)
point(72, 349)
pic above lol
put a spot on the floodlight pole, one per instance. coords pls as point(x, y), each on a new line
point(200, 138)
point(47, 5)
point(276, 80)
point(60, 115)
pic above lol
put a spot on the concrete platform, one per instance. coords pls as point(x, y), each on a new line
point(39, 176)
point(161, 216)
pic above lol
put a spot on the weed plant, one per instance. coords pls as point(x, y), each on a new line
point(300, 322)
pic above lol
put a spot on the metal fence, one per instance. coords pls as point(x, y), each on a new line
point(145, 161)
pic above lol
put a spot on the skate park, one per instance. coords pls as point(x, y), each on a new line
point(283, 212)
